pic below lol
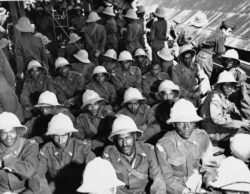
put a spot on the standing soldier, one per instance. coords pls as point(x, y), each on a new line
point(134, 34)
point(79, 20)
point(135, 162)
point(95, 37)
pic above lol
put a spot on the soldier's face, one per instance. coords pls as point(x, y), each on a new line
point(93, 108)
point(126, 65)
point(126, 143)
point(168, 95)
point(227, 32)
point(61, 140)
point(46, 110)
point(227, 88)
point(156, 69)
point(185, 129)
point(35, 72)
point(140, 59)
point(64, 71)
point(100, 78)
point(187, 59)
point(8, 139)
point(133, 106)
point(229, 63)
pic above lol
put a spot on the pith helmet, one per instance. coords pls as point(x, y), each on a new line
point(199, 20)
point(60, 124)
point(124, 124)
point(232, 174)
point(168, 85)
point(165, 54)
point(8, 121)
point(183, 111)
point(125, 56)
point(140, 9)
point(90, 97)
point(100, 69)
point(61, 62)
point(99, 175)
point(132, 94)
point(2, 11)
point(109, 11)
point(34, 64)
point(83, 56)
point(186, 48)
point(232, 54)
point(47, 98)
point(226, 77)
point(131, 14)
point(160, 12)
point(93, 17)
point(111, 53)
point(73, 38)
point(140, 52)
point(24, 25)
point(240, 146)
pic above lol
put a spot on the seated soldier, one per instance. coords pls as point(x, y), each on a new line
point(100, 84)
point(73, 46)
point(232, 177)
point(151, 82)
point(135, 162)
point(63, 159)
point(94, 122)
point(105, 181)
point(48, 106)
point(83, 65)
point(168, 93)
point(189, 76)
point(141, 113)
point(68, 84)
point(36, 83)
point(126, 75)
point(221, 117)
point(142, 61)
point(110, 60)
point(18, 156)
point(185, 153)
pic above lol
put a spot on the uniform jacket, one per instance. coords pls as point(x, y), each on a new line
point(86, 69)
point(68, 87)
point(31, 86)
point(78, 22)
point(22, 160)
point(71, 49)
point(111, 31)
point(145, 65)
point(144, 120)
point(178, 158)
point(145, 163)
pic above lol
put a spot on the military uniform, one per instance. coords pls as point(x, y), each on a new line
point(33, 88)
point(21, 159)
point(69, 87)
point(178, 158)
point(64, 165)
point(110, 66)
point(105, 90)
point(144, 120)
point(111, 31)
point(137, 177)
point(145, 65)
point(150, 85)
point(72, 49)
point(85, 69)
point(122, 80)
point(78, 22)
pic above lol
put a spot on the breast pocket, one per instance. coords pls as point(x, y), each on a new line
point(178, 166)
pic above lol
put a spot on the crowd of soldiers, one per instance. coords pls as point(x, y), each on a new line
point(105, 117)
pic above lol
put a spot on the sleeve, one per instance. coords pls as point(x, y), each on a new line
point(89, 41)
point(138, 82)
point(26, 165)
point(24, 98)
point(44, 56)
point(152, 32)
point(50, 85)
point(219, 117)
point(145, 86)
point(112, 93)
point(80, 126)
point(43, 162)
point(219, 45)
point(60, 93)
point(115, 79)
point(87, 153)
point(158, 186)
point(129, 35)
point(19, 58)
point(8, 72)
point(141, 37)
point(172, 185)
point(103, 39)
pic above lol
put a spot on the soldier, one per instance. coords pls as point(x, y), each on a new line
point(142, 61)
point(221, 117)
point(83, 65)
point(69, 85)
point(95, 121)
point(134, 34)
point(110, 60)
point(134, 162)
point(151, 82)
point(213, 45)
point(29, 47)
point(142, 114)
point(95, 37)
point(189, 76)
point(100, 85)
point(106, 181)
point(63, 159)
point(185, 153)
point(126, 75)
point(36, 83)
point(19, 156)
point(79, 20)
point(111, 29)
